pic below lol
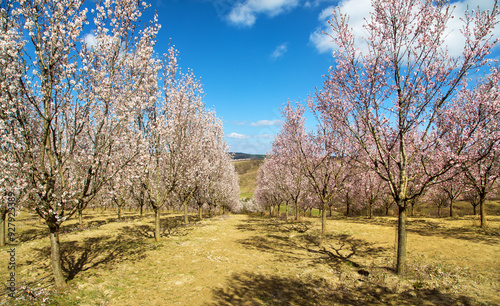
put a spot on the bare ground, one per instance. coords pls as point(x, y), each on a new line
point(244, 260)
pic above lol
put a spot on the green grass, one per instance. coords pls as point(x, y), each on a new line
point(247, 171)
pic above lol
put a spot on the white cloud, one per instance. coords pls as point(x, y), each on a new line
point(264, 136)
point(238, 136)
point(315, 3)
point(266, 122)
point(242, 15)
point(359, 10)
point(279, 51)
point(245, 13)
point(90, 40)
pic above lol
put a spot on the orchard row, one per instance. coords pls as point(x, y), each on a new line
point(398, 118)
point(98, 117)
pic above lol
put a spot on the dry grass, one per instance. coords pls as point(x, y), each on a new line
point(243, 260)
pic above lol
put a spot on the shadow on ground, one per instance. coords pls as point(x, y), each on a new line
point(291, 241)
point(103, 252)
point(255, 289)
point(169, 226)
point(425, 227)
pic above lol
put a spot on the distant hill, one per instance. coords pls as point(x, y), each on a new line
point(247, 171)
point(239, 156)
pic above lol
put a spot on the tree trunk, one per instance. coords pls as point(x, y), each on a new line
point(347, 209)
point(3, 222)
point(451, 208)
point(279, 208)
point(387, 210)
point(140, 210)
point(80, 217)
point(186, 218)
point(119, 212)
point(330, 210)
point(370, 210)
point(323, 219)
point(439, 211)
point(157, 224)
point(296, 210)
point(401, 240)
point(482, 199)
point(475, 210)
point(286, 211)
point(55, 258)
point(200, 212)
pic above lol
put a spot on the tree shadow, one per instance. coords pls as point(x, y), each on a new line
point(489, 236)
point(169, 227)
point(105, 251)
point(268, 224)
point(290, 241)
point(340, 249)
point(426, 227)
point(255, 289)
point(33, 234)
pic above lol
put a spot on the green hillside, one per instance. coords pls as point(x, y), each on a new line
point(238, 156)
point(247, 171)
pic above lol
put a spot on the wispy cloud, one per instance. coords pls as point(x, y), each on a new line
point(266, 122)
point(264, 136)
point(359, 11)
point(238, 136)
point(279, 51)
point(245, 13)
point(314, 4)
point(236, 122)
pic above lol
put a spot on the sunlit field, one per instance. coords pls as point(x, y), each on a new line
point(257, 260)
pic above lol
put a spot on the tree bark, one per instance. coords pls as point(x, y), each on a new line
point(55, 258)
point(323, 219)
point(200, 212)
point(451, 208)
point(296, 210)
point(401, 240)
point(186, 218)
point(80, 217)
point(370, 210)
point(482, 212)
point(157, 224)
point(3, 222)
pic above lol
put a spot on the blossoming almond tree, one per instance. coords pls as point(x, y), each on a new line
point(268, 191)
point(74, 99)
point(387, 99)
point(476, 128)
point(172, 128)
point(320, 157)
point(11, 69)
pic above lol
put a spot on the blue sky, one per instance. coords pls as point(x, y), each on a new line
point(254, 55)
